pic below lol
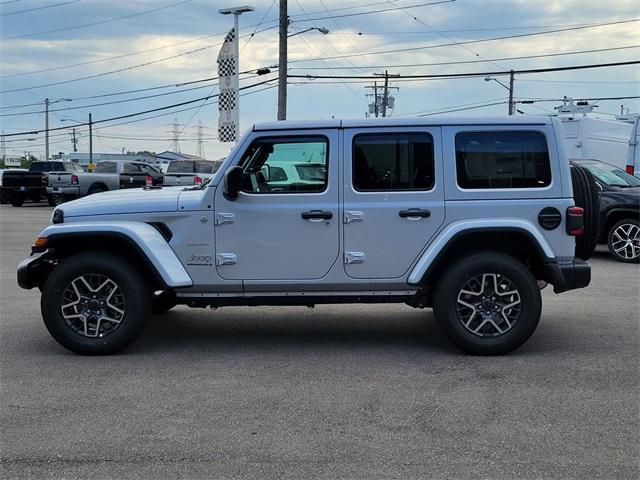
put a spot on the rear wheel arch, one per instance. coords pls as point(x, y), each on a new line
point(97, 187)
point(515, 242)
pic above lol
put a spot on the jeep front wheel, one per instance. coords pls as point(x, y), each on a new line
point(95, 304)
point(487, 304)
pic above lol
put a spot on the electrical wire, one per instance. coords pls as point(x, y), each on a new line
point(100, 22)
point(468, 42)
point(17, 12)
point(466, 62)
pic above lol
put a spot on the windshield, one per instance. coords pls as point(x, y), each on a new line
point(611, 175)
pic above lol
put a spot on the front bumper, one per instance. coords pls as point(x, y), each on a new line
point(569, 276)
point(33, 270)
point(63, 190)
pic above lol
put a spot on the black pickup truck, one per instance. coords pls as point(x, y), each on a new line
point(32, 184)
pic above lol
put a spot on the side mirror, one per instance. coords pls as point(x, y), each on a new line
point(233, 182)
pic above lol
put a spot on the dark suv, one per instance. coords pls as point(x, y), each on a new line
point(619, 209)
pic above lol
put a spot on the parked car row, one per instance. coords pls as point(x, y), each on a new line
point(61, 181)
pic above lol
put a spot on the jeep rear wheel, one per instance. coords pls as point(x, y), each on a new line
point(95, 303)
point(487, 304)
point(624, 241)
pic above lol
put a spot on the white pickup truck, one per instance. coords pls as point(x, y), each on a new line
point(108, 175)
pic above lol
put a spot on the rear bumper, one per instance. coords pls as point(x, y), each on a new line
point(63, 190)
point(27, 191)
point(569, 276)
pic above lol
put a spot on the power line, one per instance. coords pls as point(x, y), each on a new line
point(466, 62)
point(129, 115)
point(478, 74)
point(374, 11)
point(16, 12)
point(126, 100)
point(467, 42)
point(100, 22)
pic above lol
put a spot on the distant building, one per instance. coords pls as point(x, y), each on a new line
point(163, 159)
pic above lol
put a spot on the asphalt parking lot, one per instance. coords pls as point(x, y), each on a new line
point(332, 392)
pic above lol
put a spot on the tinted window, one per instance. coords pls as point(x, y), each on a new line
point(502, 160)
point(47, 167)
point(181, 166)
point(106, 167)
point(393, 161)
point(204, 166)
point(146, 168)
point(286, 165)
point(131, 168)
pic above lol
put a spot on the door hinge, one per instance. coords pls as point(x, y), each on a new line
point(226, 259)
point(353, 216)
point(351, 258)
point(222, 218)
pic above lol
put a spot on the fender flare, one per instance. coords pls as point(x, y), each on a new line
point(148, 241)
point(456, 229)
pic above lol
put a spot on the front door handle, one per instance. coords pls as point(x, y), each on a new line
point(317, 215)
point(414, 213)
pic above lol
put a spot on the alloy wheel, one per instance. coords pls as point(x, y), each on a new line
point(488, 305)
point(625, 241)
point(93, 305)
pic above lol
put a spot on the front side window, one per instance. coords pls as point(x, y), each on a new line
point(393, 161)
point(286, 165)
point(515, 159)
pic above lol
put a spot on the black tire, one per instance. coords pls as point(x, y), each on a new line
point(96, 189)
point(163, 302)
point(447, 309)
point(628, 229)
point(17, 200)
point(133, 292)
point(56, 199)
point(586, 195)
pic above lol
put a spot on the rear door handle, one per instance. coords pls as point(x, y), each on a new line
point(414, 213)
point(317, 215)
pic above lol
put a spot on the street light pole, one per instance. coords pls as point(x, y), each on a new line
point(282, 61)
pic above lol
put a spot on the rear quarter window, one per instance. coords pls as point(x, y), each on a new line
point(502, 159)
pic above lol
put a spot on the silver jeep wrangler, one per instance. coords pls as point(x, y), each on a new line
point(470, 217)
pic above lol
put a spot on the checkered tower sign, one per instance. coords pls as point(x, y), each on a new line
point(228, 79)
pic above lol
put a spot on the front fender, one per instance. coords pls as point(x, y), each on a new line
point(464, 226)
point(145, 238)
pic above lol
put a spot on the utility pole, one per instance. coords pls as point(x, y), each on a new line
point(511, 104)
point(90, 142)
point(200, 141)
point(282, 61)
point(3, 147)
point(74, 140)
point(381, 103)
point(46, 129)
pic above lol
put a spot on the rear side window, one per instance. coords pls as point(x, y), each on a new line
point(131, 168)
point(502, 160)
point(397, 161)
point(105, 167)
point(181, 166)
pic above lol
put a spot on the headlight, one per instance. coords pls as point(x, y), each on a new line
point(58, 216)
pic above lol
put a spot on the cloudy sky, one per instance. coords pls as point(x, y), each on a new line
point(91, 51)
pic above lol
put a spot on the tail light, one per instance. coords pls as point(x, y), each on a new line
point(148, 181)
point(629, 169)
point(197, 180)
point(575, 221)
point(74, 180)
